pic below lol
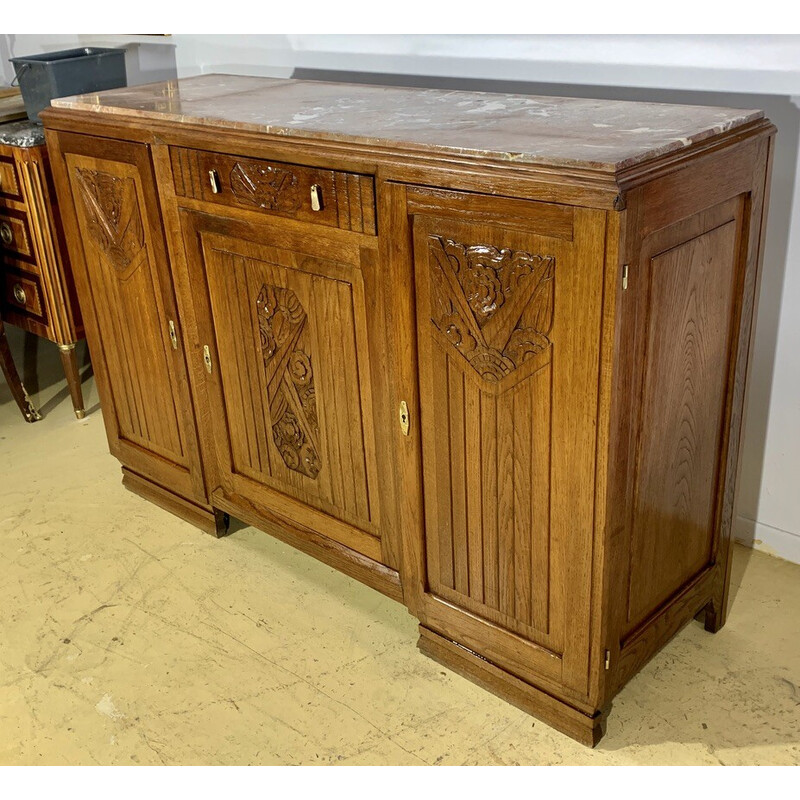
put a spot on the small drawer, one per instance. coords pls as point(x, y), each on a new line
point(325, 197)
point(23, 292)
point(14, 233)
point(9, 183)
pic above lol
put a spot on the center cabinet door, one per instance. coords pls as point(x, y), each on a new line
point(281, 310)
point(501, 301)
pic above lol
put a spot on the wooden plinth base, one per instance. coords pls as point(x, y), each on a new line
point(209, 520)
point(575, 724)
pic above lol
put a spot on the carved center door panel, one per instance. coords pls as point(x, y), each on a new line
point(290, 401)
point(508, 299)
point(121, 264)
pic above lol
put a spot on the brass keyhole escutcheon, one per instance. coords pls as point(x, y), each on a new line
point(6, 234)
point(19, 294)
point(404, 418)
point(207, 358)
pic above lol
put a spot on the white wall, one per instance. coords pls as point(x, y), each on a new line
point(744, 71)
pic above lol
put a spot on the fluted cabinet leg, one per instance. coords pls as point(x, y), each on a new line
point(69, 362)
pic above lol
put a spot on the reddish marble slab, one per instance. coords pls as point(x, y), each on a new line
point(600, 134)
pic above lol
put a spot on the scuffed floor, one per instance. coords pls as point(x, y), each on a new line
point(128, 637)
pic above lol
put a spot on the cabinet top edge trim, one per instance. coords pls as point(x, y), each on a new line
point(604, 135)
point(607, 187)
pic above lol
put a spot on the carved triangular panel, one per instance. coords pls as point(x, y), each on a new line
point(494, 306)
point(113, 216)
point(266, 186)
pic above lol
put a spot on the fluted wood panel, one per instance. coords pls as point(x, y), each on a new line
point(285, 332)
point(121, 272)
point(347, 200)
point(485, 314)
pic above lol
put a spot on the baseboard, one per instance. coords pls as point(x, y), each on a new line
point(774, 541)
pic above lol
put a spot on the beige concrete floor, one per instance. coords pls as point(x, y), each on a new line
point(128, 637)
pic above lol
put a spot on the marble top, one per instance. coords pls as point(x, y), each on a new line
point(22, 133)
point(599, 134)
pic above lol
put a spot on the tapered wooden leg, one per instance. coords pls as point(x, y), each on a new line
point(70, 363)
point(14, 383)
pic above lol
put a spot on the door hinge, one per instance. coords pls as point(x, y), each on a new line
point(608, 659)
point(172, 335)
point(405, 422)
point(207, 358)
point(624, 277)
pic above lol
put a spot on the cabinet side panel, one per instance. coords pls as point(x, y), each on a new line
point(688, 336)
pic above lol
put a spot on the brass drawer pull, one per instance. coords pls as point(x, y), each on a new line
point(6, 234)
point(19, 294)
point(316, 197)
point(213, 179)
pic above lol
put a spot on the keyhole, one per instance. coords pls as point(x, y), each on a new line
point(404, 418)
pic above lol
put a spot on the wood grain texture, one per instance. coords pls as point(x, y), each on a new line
point(347, 200)
point(117, 251)
point(204, 517)
point(559, 504)
point(690, 305)
point(488, 332)
point(9, 183)
point(286, 327)
point(587, 729)
point(38, 290)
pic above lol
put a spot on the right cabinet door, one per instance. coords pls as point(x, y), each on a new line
point(507, 310)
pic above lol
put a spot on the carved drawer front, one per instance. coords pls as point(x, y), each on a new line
point(326, 197)
point(15, 233)
point(22, 292)
point(9, 184)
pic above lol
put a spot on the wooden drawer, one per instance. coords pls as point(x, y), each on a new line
point(9, 183)
point(345, 200)
point(15, 233)
point(22, 293)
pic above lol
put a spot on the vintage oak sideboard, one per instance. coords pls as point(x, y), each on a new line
point(485, 353)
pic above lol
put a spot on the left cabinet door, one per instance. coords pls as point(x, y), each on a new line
point(116, 243)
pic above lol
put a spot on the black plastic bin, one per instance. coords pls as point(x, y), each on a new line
point(68, 72)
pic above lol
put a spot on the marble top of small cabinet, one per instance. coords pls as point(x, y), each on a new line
point(607, 135)
point(22, 133)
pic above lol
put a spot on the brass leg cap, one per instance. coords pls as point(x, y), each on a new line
point(80, 413)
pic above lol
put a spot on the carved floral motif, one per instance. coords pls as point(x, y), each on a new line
point(290, 379)
point(112, 215)
point(268, 187)
point(495, 306)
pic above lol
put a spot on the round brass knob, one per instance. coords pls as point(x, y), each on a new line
point(6, 234)
point(19, 294)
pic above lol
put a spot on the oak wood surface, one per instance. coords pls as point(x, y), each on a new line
point(570, 344)
point(122, 274)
